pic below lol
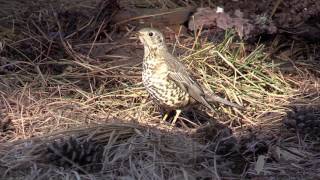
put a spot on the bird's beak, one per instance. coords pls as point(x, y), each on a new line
point(138, 33)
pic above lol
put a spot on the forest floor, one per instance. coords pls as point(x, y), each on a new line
point(72, 104)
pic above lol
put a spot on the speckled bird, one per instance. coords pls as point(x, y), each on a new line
point(167, 80)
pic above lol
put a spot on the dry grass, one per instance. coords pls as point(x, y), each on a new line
point(55, 77)
point(129, 151)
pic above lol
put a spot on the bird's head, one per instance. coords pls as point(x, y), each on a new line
point(151, 38)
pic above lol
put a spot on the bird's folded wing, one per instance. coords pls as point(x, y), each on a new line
point(179, 74)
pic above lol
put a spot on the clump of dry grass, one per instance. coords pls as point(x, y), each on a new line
point(248, 78)
point(59, 74)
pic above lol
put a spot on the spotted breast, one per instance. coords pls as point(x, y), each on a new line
point(164, 91)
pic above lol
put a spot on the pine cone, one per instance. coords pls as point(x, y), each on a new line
point(68, 152)
point(304, 119)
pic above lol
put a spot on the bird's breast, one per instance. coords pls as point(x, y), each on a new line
point(163, 90)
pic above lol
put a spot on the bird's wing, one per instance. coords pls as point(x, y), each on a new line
point(179, 74)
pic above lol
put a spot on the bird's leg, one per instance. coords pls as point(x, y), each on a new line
point(166, 114)
point(178, 111)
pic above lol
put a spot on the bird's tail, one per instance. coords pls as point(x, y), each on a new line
point(214, 98)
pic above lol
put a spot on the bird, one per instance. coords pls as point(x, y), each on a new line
point(168, 81)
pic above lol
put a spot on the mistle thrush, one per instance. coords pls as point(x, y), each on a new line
point(167, 80)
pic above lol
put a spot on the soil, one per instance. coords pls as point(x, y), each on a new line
point(289, 17)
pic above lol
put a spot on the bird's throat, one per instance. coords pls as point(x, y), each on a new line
point(153, 52)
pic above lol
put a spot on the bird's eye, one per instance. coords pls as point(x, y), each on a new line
point(150, 33)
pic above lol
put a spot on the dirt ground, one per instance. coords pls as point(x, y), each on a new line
point(72, 105)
